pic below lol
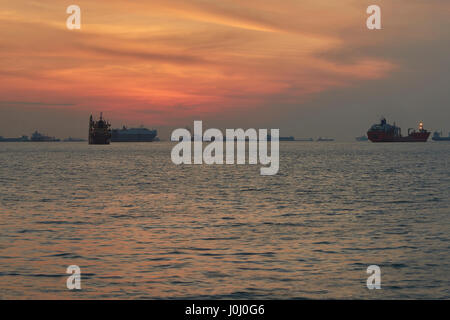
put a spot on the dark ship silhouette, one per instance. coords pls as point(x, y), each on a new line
point(437, 136)
point(384, 132)
point(325, 139)
point(21, 139)
point(99, 131)
point(38, 137)
point(362, 138)
point(133, 135)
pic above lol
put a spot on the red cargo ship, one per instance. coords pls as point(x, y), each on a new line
point(384, 132)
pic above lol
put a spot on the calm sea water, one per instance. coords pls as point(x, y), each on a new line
point(140, 227)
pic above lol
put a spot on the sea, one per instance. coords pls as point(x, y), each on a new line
point(140, 227)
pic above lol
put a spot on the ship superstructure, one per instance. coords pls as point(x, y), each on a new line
point(99, 131)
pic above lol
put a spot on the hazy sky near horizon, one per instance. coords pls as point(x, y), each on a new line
point(309, 67)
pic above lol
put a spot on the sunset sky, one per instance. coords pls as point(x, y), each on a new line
point(308, 67)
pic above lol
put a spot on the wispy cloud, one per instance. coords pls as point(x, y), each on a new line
point(163, 56)
point(34, 103)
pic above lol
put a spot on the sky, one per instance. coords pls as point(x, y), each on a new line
point(308, 67)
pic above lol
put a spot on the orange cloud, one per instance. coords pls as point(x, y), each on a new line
point(159, 59)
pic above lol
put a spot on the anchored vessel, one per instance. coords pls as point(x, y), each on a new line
point(37, 137)
point(269, 138)
point(21, 139)
point(70, 139)
point(384, 132)
point(437, 136)
point(133, 135)
point(362, 138)
point(99, 131)
point(325, 139)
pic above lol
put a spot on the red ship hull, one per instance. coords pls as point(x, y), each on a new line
point(376, 136)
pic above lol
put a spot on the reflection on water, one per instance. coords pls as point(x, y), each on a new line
point(140, 227)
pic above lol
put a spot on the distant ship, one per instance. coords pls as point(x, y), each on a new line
point(99, 131)
point(362, 138)
point(304, 139)
point(437, 136)
point(133, 135)
point(291, 138)
point(325, 139)
point(384, 132)
point(21, 139)
point(38, 137)
point(70, 139)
